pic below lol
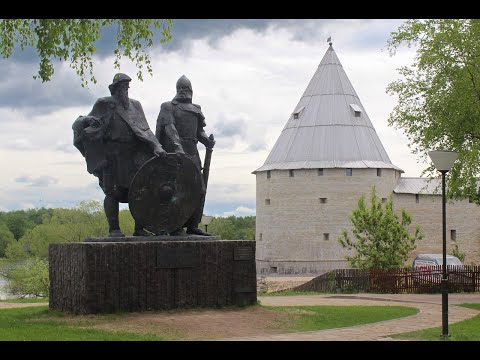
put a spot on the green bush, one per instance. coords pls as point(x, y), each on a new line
point(29, 278)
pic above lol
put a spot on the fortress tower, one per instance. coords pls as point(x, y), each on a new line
point(326, 157)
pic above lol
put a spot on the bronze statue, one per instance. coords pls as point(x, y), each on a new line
point(180, 126)
point(116, 141)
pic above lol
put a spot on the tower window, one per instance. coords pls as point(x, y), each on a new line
point(379, 172)
point(268, 174)
point(320, 172)
point(323, 200)
point(297, 113)
point(260, 237)
point(326, 236)
point(348, 172)
point(267, 201)
point(453, 235)
point(417, 198)
point(356, 110)
point(291, 173)
point(273, 269)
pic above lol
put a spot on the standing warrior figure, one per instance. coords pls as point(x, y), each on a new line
point(179, 128)
point(116, 141)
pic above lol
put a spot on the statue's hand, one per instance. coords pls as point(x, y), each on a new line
point(158, 151)
point(179, 150)
point(211, 142)
point(93, 121)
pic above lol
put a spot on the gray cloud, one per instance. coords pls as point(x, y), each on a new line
point(222, 207)
point(50, 196)
point(76, 163)
point(19, 144)
point(22, 179)
point(231, 127)
point(65, 147)
point(258, 146)
point(184, 31)
point(21, 91)
point(40, 181)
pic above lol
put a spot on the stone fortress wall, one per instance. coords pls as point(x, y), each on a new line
point(300, 218)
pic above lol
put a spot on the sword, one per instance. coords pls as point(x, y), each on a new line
point(206, 163)
point(206, 170)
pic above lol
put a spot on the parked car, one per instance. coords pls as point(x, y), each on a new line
point(429, 270)
point(425, 261)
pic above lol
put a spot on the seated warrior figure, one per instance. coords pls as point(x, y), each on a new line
point(116, 141)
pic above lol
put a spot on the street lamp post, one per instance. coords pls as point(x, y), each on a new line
point(206, 220)
point(443, 161)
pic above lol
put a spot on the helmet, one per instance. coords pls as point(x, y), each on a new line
point(183, 81)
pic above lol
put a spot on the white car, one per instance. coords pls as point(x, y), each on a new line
point(425, 261)
point(429, 270)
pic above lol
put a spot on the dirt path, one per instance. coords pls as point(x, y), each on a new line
point(6, 305)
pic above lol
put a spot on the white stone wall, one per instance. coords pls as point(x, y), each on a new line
point(462, 216)
point(290, 230)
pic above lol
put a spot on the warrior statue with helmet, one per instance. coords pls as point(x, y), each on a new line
point(165, 191)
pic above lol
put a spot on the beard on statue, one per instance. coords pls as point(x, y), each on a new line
point(122, 97)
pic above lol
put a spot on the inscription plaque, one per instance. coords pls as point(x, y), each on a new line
point(177, 258)
point(242, 253)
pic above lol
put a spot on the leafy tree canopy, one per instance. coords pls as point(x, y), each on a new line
point(74, 40)
point(439, 95)
point(233, 228)
point(63, 225)
point(6, 237)
point(381, 237)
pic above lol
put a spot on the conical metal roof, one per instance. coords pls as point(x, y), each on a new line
point(329, 127)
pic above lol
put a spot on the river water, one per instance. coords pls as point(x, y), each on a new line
point(3, 294)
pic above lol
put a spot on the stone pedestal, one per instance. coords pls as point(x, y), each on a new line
point(105, 275)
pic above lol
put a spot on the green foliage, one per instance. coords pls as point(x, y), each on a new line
point(29, 278)
point(6, 237)
point(63, 225)
point(381, 238)
point(126, 222)
point(439, 95)
point(475, 306)
point(19, 221)
point(39, 324)
point(233, 228)
point(456, 252)
point(74, 40)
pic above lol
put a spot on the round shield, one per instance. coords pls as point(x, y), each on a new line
point(165, 192)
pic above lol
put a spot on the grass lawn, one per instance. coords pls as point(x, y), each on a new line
point(466, 330)
point(39, 323)
point(30, 323)
point(311, 318)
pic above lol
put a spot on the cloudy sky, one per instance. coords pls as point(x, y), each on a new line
point(248, 76)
